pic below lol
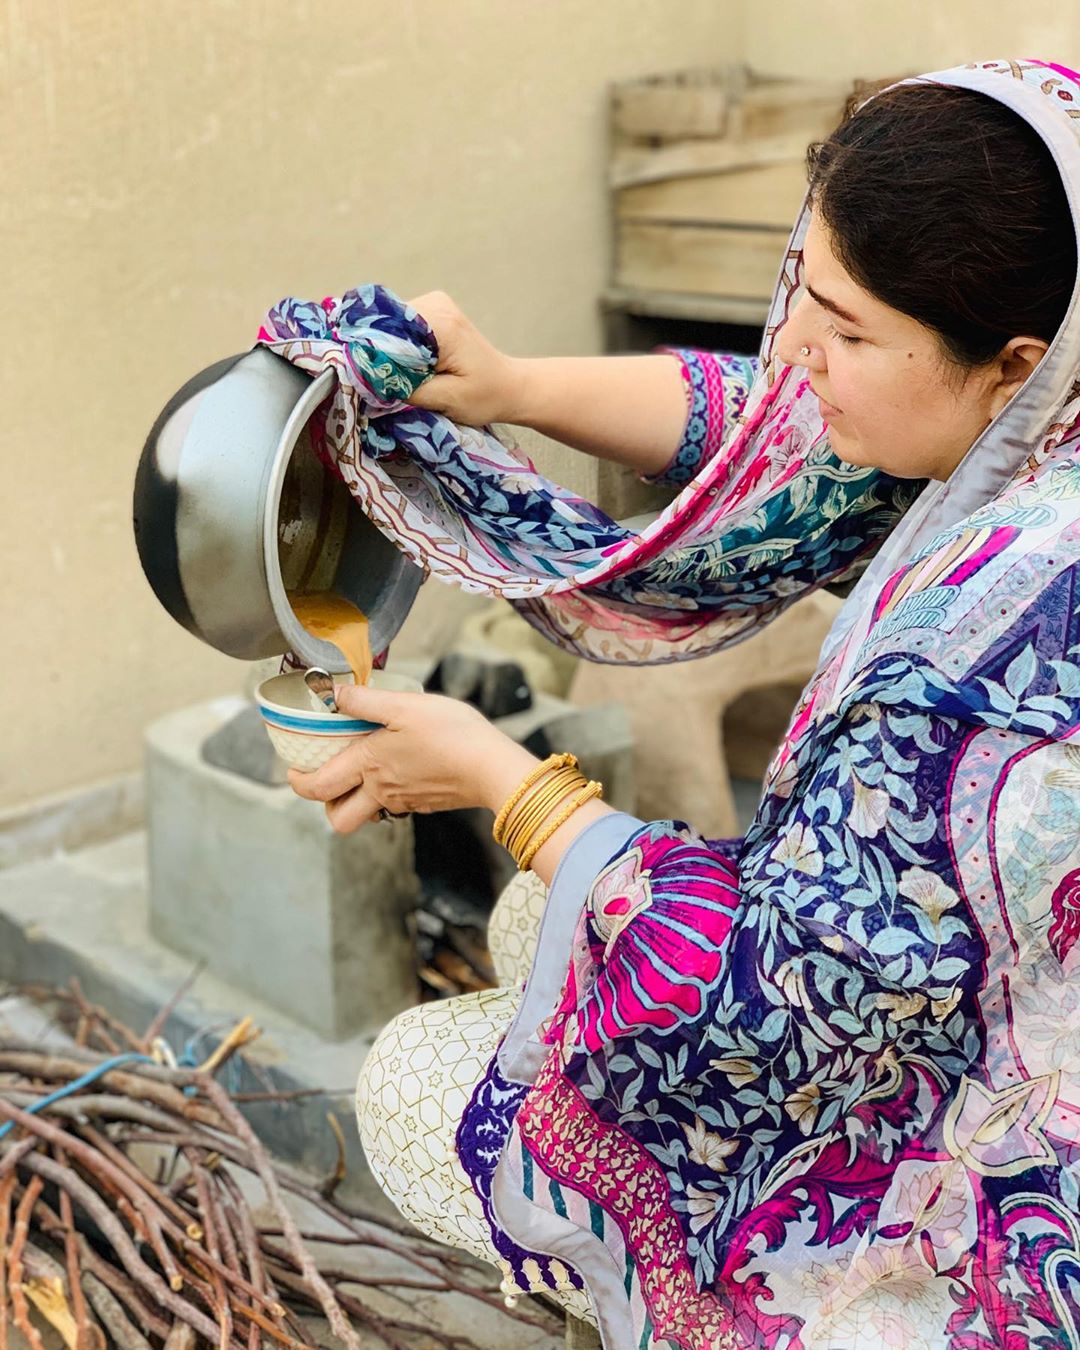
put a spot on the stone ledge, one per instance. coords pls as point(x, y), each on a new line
point(69, 820)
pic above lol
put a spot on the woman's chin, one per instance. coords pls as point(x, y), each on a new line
point(859, 456)
point(848, 448)
point(852, 451)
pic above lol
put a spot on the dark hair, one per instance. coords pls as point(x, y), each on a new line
point(947, 206)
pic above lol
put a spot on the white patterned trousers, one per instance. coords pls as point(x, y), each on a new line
point(420, 1074)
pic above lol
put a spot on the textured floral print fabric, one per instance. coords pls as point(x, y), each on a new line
point(862, 1125)
point(766, 519)
point(717, 388)
point(824, 1089)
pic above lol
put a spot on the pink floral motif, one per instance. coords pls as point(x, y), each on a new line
point(659, 918)
point(1065, 912)
point(619, 896)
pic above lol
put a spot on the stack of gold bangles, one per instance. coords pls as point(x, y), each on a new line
point(542, 804)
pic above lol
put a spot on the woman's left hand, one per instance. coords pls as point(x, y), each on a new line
point(433, 754)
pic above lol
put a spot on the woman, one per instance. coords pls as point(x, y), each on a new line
point(820, 1086)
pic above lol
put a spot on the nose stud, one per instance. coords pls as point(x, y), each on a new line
point(804, 351)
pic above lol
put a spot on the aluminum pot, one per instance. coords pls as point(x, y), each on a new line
point(232, 509)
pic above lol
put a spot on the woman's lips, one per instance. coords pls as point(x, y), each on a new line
point(828, 412)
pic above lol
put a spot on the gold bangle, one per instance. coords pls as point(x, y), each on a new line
point(541, 801)
point(523, 841)
point(518, 838)
point(592, 789)
point(558, 819)
point(558, 780)
point(552, 762)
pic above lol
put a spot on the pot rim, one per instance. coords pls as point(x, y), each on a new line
point(316, 651)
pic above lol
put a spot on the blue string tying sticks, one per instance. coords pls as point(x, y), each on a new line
point(90, 1077)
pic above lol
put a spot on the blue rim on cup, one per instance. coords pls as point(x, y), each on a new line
point(306, 738)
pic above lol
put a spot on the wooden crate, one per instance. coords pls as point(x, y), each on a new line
point(733, 101)
point(671, 107)
point(707, 172)
point(703, 259)
point(762, 194)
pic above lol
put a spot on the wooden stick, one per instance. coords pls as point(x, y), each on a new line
point(239, 1215)
point(124, 1164)
point(114, 1280)
point(244, 1031)
point(283, 1257)
point(104, 1303)
point(11, 1155)
point(7, 1185)
point(97, 1015)
point(261, 1323)
point(135, 1205)
point(240, 1126)
point(121, 1287)
point(154, 1030)
point(19, 1309)
point(47, 1288)
point(181, 1337)
point(71, 1261)
point(149, 1083)
point(108, 1105)
point(232, 1274)
point(290, 1094)
point(209, 1223)
point(369, 1317)
point(337, 1176)
point(230, 1253)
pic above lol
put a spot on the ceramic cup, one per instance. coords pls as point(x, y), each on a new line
point(304, 738)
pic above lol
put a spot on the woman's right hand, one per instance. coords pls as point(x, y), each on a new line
point(631, 409)
point(474, 383)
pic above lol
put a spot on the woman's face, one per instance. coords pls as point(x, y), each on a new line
point(889, 395)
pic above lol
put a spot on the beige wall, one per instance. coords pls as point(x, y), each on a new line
point(167, 170)
point(873, 38)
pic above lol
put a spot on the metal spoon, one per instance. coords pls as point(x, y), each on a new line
point(320, 683)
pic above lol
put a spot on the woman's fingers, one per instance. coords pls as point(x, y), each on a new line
point(337, 776)
point(385, 707)
point(302, 784)
point(348, 803)
point(354, 809)
point(436, 394)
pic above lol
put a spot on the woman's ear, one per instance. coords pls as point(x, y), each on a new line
point(1014, 363)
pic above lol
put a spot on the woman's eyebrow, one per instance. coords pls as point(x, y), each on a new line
point(832, 306)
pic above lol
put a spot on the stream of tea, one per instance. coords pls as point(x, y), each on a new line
point(329, 616)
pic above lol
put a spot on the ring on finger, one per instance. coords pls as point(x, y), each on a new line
point(384, 814)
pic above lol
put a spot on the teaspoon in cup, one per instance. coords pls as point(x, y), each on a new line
point(321, 685)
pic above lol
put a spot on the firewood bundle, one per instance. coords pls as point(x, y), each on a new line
point(125, 1218)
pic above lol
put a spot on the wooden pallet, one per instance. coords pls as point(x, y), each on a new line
point(707, 172)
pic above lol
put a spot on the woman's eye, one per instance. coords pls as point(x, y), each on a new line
point(844, 337)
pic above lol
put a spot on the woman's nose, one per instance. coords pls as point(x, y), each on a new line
point(797, 344)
